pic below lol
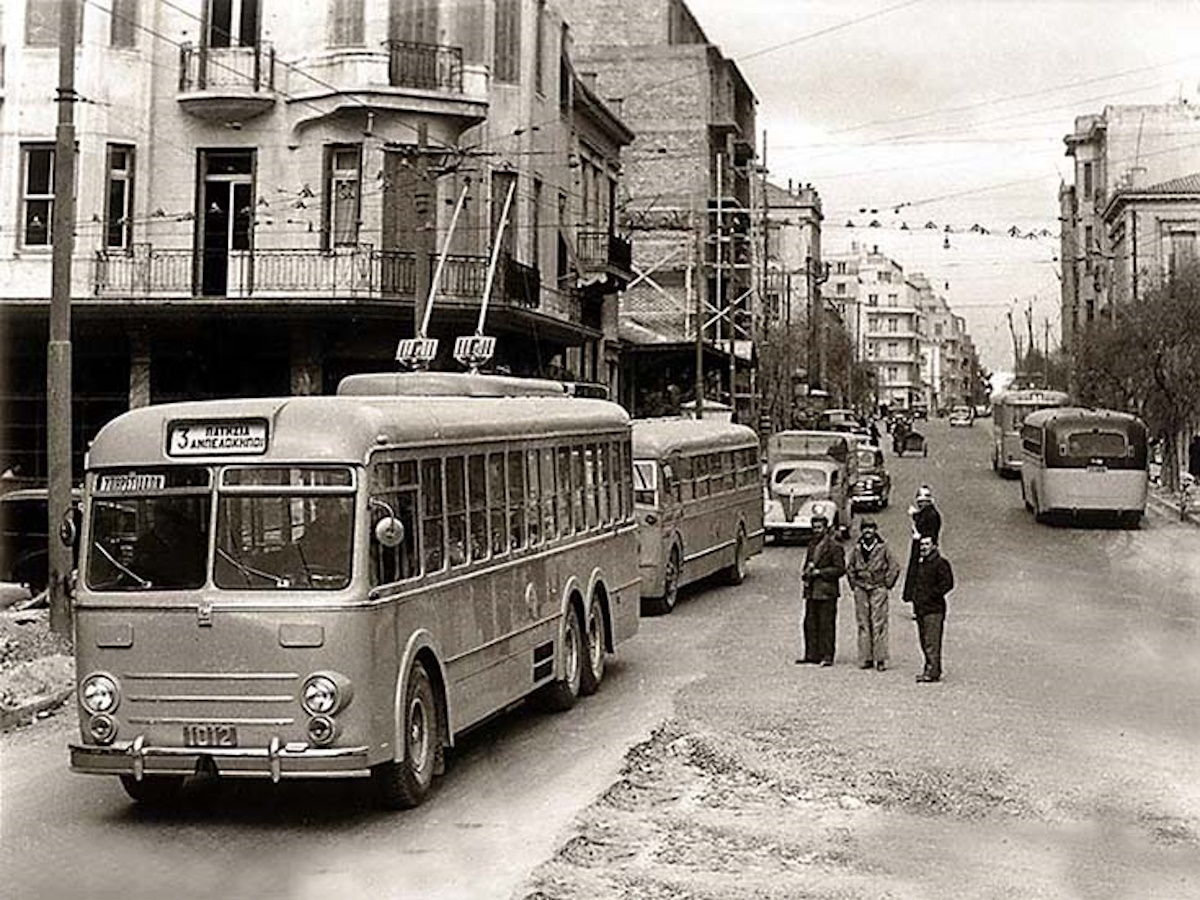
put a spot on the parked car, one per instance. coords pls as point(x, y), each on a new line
point(872, 487)
point(962, 415)
point(23, 522)
point(983, 411)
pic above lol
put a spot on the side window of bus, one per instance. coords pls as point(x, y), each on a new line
point(549, 486)
point(432, 535)
point(748, 472)
point(669, 488)
point(477, 491)
point(727, 470)
point(603, 477)
point(683, 477)
point(700, 467)
point(394, 492)
point(563, 484)
point(456, 510)
point(534, 495)
point(614, 481)
point(1031, 440)
point(625, 473)
point(498, 503)
point(577, 490)
point(591, 503)
point(518, 496)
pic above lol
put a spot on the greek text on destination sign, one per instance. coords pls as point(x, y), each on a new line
point(228, 437)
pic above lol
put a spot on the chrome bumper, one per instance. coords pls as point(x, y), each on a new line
point(276, 761)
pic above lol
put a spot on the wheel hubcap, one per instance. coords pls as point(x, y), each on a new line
point(418, 736)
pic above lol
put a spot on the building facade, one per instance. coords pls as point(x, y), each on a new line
point(688, 205)
point(266, 218)
point(1121, 148)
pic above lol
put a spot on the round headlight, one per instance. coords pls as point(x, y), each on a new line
point(99, 694)
point(320, 695)
point(823, 509)
point(103, 729)
point(321, 730)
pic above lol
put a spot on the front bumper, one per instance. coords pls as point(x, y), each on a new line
point(276, 761)
point(874, 497)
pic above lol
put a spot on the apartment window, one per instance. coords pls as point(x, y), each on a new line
point(37, 194)
point(539, 48)
point(343, 194)
point(41, 23)
point(937, 330)
point(841, 268)
point(891, 323)
point(346, 23)
point(893, 373)
point(872, 299)
point(893, 349)
point(885, 277)
point(1182, 252)
point(1087, 181)
point(1088, 249)
point(118, 226)
point(562, 267)
point(506, 66)
point(536, 222)
point(893, 299)
point(564, 71)
point(123, 26)
point(841, 287)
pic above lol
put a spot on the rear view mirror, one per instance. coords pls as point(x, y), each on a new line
point(389, 531)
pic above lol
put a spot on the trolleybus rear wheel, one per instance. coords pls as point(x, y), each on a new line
point(560, 695)
point(594, 640)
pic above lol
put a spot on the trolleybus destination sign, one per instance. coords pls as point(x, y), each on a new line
point(226, 437)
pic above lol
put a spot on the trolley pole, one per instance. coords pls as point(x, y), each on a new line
point(58, 350)
point(422, 205)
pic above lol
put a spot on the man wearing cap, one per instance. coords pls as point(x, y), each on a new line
point(824, 565)
point(933, 580)
point(872, 571)
point(926, 522)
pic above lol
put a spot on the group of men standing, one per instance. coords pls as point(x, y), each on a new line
point(873, 571)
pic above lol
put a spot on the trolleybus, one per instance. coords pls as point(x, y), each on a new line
point(1009, 410)
point(697, 491)
point(338, 586)
point(1080, 461)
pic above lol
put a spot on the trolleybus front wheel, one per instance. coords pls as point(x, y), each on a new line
point(660, 606)
point(153, 790)
point(404, 784)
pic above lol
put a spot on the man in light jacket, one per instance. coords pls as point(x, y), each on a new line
point(872, 571)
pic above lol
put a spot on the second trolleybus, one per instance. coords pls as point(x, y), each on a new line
point(1009, 410)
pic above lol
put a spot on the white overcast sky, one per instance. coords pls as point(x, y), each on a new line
point(956, 109)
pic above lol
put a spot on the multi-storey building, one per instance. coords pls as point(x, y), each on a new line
point(263, 188)
point(1122, 148)
point(688, 175)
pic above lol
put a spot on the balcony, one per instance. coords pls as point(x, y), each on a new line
point(347, 273)
point(403, 77)
point(226, 84)
point(605, 261)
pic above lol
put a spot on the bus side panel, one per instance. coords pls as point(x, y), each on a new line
point(652, 547)
point(1115, 490)
point(621, 582)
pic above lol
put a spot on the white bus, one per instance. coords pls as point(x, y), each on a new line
point(697, 490)
point(1078, 461)
point(1009, 410)
point(338, 586)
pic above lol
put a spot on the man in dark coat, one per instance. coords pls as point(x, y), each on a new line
point(926, 522)
point(932, 581)
point(824, 565)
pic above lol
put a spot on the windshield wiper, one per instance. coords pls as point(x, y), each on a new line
point(121, 567)
point(247, 571)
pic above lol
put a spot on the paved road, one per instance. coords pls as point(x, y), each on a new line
point(1057, 759)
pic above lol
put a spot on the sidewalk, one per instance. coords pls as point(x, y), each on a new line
point(1166, 503)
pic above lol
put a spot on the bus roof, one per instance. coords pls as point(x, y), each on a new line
point(447, 384)
point(343, 429)
point(659, 438)
point(1080, 415)
point(1031, 397)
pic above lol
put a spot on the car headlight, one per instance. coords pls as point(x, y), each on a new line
point(325, 693)
point(821, 508)
point(99, 693)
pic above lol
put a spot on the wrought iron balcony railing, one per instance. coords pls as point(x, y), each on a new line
point(227, 69)
point(425, 67)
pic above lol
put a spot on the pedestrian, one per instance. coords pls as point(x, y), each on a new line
point(926, 522)
point(824, 565)
point(934, 579)
point(1194, 456)
point(872, 571)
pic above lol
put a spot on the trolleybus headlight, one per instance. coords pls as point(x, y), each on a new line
point(99, 694)
point(325, 693)
point(102, 728)
point(322, 730)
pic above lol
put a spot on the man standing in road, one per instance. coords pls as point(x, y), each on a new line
point(824, 565)
point(872, 572)
point(932, 581)
point(926, 522)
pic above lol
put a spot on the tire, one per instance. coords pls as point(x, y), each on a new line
point(405, 784)
point(736, 573)
point(560, 695)
point(153, 791)
point(661, 606)
point(595, 634)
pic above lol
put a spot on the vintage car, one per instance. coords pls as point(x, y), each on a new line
point(23, 539)
point(962, 415)
point(872, 488)
point(799, 489)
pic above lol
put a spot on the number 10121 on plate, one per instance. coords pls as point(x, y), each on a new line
point(209, 736)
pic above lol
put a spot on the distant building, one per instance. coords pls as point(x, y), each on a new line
point(1122, 148)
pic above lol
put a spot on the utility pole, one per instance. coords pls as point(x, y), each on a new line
point(718, 301)
point(693, 237)
point(422, 206)
point(58, 351)
point(1046, 357)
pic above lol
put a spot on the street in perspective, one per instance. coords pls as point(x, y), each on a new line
point(562, 449)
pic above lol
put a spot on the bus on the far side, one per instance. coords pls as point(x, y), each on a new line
point(1009, 410)
point(697, 492)
point(1085, 461)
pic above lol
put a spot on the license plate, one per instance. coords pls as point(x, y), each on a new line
point(209, 736)
point(1095, 468)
